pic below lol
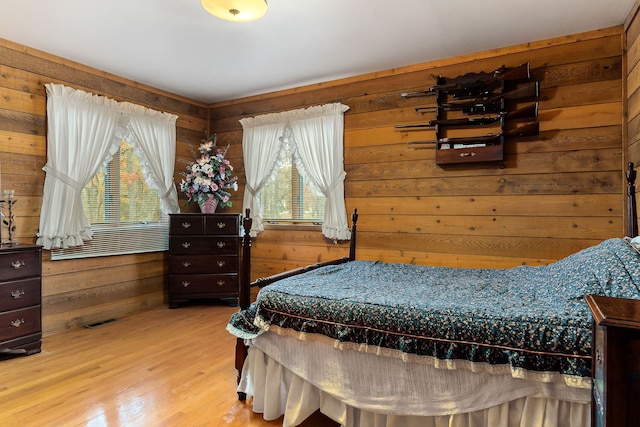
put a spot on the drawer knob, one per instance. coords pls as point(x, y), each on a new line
point(221, 244)
point(220, 282)
point(472, 154)
point(221, 263)
point(16, 323)
point(186, 225)
point(17, 265)
point(186, 245)
point(17, 294)
point(186, 264)
point(185, 283)
point(222, 225)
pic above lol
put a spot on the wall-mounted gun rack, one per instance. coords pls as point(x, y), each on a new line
point(489, 101)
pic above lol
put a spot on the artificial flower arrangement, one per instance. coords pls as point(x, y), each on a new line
point(210, 175)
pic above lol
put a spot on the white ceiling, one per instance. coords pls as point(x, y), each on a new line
point(177, 46)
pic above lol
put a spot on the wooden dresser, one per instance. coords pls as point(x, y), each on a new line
point(616, 361)
point(20, 299)
point(204, 257)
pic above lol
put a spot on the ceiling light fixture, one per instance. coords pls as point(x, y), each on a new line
point(236, 10)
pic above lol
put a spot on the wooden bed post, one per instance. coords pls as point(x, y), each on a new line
point(352, 245)
point(244, 292)
point(632, 212)
point(245, 285)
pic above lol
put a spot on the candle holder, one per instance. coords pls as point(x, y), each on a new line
point(8, 218)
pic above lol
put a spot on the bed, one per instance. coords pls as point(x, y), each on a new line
point(376, 344)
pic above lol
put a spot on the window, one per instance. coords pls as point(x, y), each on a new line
point(118, 193)
point(288, 197)
point(84, 132)
point(316, 135)
point(124, 213)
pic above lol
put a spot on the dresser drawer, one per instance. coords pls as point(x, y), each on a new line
point(202, 264)
point(202, 283)
point(17, 323)
point(19, 264)
point(222, 224)
point(20, 294)
point(203, 245)
point(186, 224)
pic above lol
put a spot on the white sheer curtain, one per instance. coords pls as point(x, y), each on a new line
point(83, 133)
point(318, 137)
point(260, 145)
point(319, 140)
point(155, 144)
point(75, 118)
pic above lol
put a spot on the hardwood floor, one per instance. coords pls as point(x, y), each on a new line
point(158, 368)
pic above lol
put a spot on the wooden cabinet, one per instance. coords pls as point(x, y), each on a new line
point(204, 257)
point(20, 299)
point(616, 361)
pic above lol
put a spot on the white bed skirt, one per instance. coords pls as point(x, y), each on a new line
point(292, 377)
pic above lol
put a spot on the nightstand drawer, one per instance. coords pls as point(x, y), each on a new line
point(186, 224)
point(201, 283)
point(202, 264)
point(20, 294)
point(205, 244)
point(17, 323)
point(19, 264)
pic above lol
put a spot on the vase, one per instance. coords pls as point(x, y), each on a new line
point(209, 205)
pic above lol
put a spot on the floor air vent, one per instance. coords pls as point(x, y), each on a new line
point(100, 323)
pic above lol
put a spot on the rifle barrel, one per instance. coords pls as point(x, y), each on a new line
point(417, 93)
point(473, 84)
point(422, 143)
point(491, 104)
point(422, 125)
point(530, 129)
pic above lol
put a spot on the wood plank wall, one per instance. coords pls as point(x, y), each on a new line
point(632, 86)
point(553, 194)
point(79, 291)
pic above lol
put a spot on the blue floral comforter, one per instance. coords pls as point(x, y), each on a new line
point(532, 318)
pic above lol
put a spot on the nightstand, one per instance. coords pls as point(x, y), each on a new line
point(20, 299)
point(616, 361)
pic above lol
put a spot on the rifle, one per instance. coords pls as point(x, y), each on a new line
point(528, 112)
point(475, 84)
point(492, 104)
point(529, 129)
